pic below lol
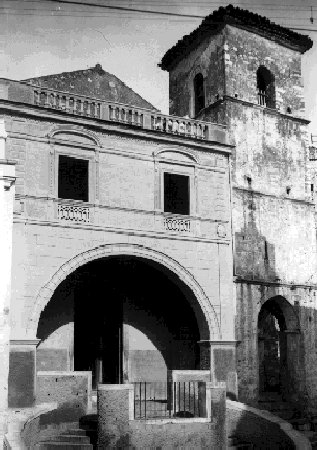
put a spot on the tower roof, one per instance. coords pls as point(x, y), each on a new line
point(94, 82)
point(241, 18)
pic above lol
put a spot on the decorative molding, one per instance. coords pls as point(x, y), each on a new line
point(24, 342)
point(79, 131)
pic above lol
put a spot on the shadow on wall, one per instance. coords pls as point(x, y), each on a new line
point(270, 351)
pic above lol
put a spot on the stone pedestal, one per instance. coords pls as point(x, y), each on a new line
point(22, 373)
point(115, 410)
point(216, 401)
point(222, 363)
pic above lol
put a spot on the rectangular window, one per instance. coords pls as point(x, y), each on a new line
point(176, 193)
point(73, 178)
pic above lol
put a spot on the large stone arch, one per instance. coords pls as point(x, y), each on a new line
point(103, 251)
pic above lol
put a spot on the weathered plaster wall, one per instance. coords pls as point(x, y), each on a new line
point(273, 214)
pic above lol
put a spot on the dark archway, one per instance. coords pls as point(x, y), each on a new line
point(125, 318)
point(277, 326)
point(266, 87)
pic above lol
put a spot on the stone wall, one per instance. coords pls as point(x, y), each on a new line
point(71, 391)
point(273, 213)
point(116, 427)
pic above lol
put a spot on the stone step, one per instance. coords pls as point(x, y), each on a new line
point(77, 431)
point(51, 445)
point(60, 426)
point(73, 438)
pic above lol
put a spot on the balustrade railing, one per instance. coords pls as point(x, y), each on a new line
point(70, 103)
point(176, 224)
point(121, 113)
point(180, 126)
point(147, 119)
point(73, 213)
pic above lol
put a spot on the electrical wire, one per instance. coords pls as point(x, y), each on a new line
point(125, 10)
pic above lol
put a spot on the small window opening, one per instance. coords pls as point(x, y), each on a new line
point(199, 93)
point(266, 87)
point(73, 178)
point(176, 193)
point(312, 188)
point(266, 256)
point(289, 110)
point(288, 190)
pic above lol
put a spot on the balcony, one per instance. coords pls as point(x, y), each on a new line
point(88, 107)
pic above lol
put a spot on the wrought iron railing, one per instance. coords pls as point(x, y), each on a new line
point(168, 399)
point(176, 224)
point(73, 213)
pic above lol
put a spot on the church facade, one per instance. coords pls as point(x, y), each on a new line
point(144, 243)
point(122, 253)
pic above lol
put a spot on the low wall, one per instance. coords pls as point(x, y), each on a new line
point(262, 429)
point(48, 359)
point(71, 391)
point(178, 433)
point(118, 429)
point(23, 426)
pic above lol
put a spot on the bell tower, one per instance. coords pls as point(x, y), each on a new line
point(241, 70)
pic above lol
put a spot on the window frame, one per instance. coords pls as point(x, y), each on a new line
point(82, 154)
point(85, 168)
point(178, 168)
point(173, 174)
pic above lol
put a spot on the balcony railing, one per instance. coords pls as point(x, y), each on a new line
point(73, 213)
point(72, 104)
point(176, 224)
point(84, 106)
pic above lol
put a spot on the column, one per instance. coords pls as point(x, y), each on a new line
point(222, 357)
point(22, 373)
point(7, 179)
point(115, 410)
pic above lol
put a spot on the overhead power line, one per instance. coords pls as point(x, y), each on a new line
point(133, 10)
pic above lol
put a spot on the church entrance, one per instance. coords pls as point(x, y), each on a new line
point(125, 319)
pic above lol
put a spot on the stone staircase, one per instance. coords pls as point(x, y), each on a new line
point(80, 435)
point(289, 412)
point(234, 443)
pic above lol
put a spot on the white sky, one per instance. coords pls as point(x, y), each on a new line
point(41, 37)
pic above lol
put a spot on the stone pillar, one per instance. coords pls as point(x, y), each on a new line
point(222, 363)
point(115, 410)
point(216, 410)
point(7, 179)
point(22, 373)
